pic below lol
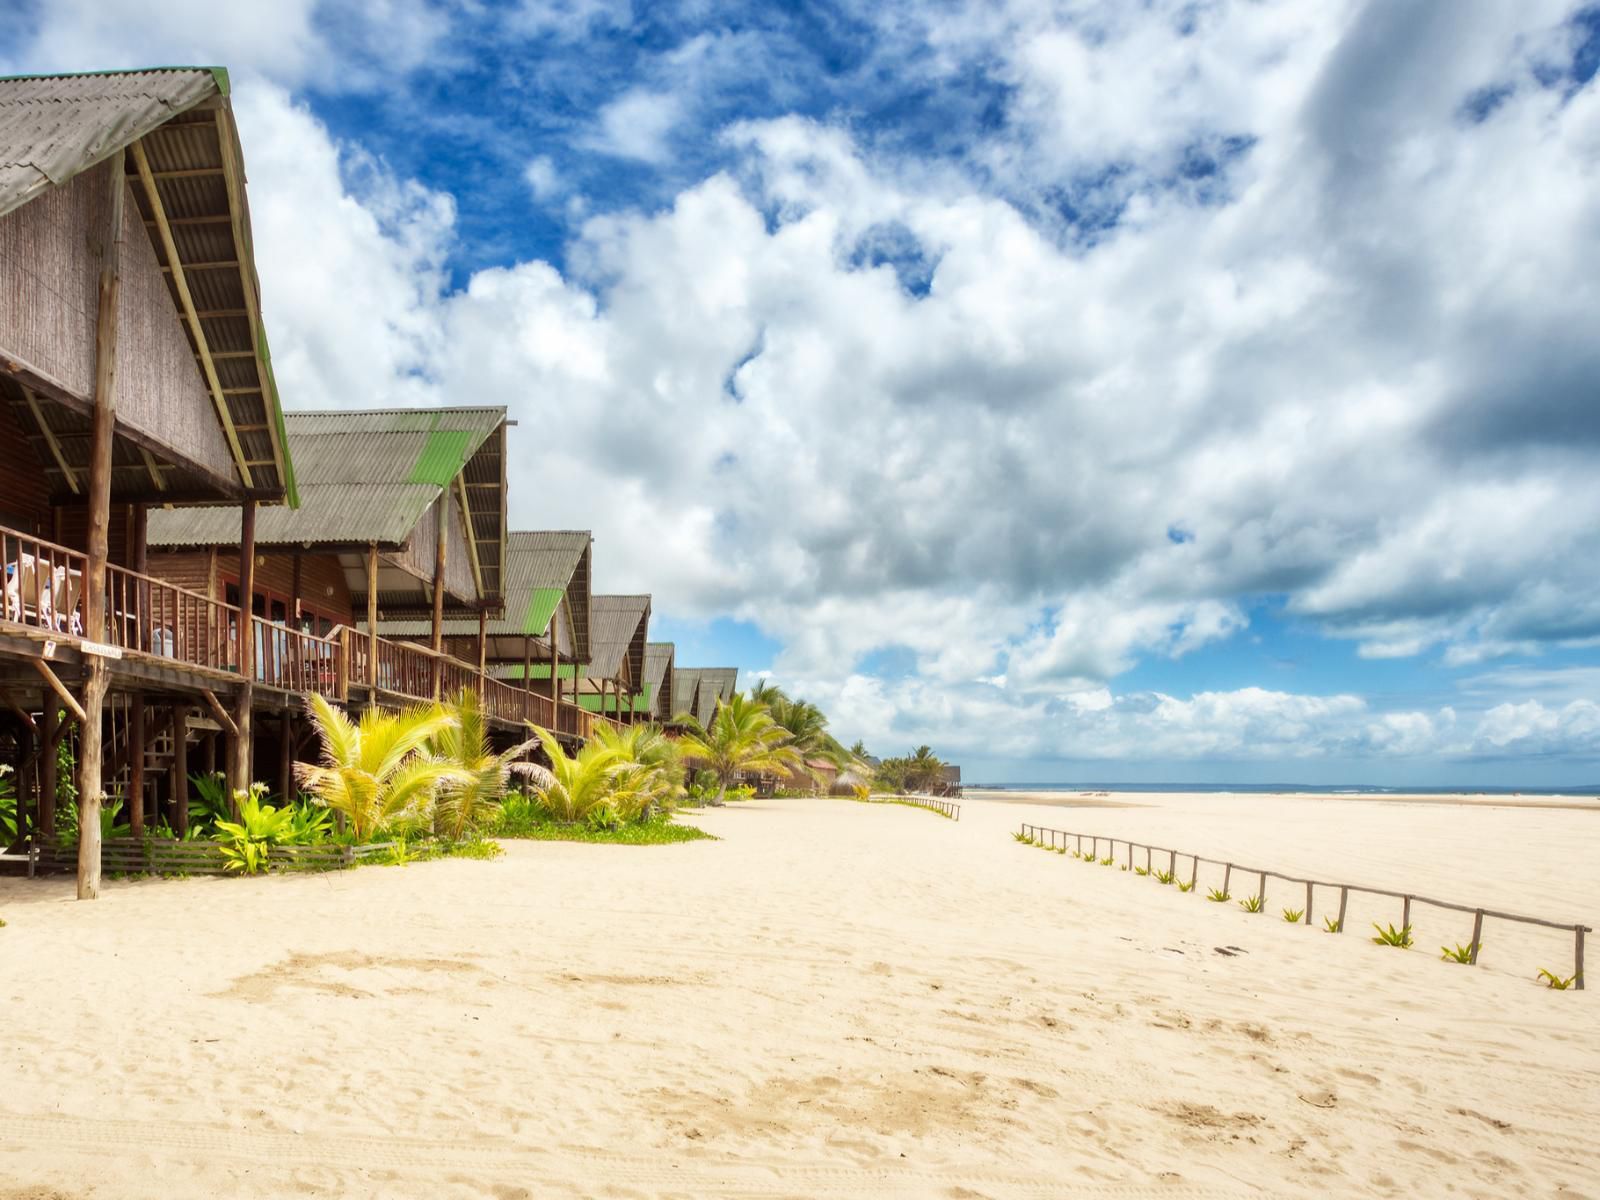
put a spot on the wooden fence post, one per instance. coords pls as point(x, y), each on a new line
point(1405, 913)
point(1194, 871)
point(1308, 902)
point(1261, 892)
point(1344, 896)
point(1227, 877)
point(1477, 937)
point(1577, 954)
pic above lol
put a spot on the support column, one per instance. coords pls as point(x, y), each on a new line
point(372, 622)
point(138, 557)
point(244, 762)
point(180, 768)
point(49, 738)
point(441, 544)
point(286, 757)
point(94, 583)
point(483, 647)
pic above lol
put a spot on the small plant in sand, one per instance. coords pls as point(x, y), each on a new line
point(1560, 984)
point(1186, 887)
point(1457, 953)
point(1330, 925)
point(1108, 862)
point(1388, 935)
point(1165, 877)
point(1061, 849)
point(1218, 896)
point(1294, 915)
point(1141, 871)
point(1023, 838)
point(1251, 904)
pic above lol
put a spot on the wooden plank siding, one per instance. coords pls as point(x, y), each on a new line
point(24, 488)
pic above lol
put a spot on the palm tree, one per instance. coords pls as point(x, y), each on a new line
point(742, 737)
point(578, 784)
point(376, 772)
point(468, 803)
point(924, 769)
point(654, 760)
point(768, 693)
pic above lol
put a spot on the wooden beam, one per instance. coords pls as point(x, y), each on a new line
point(60, 688)
point(154, 468)
point(441, 550)
point(372, 619)
point(233, 177)
point(183, 221)
point(206, 314)
point(220, 713)
point(188, 173)
point(186, 301)
point(21, 713)
point(472, 536)
point(50, 439)
point(221, 264)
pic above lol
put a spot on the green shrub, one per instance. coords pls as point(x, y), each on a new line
point(1390, 936)
point(1165, 877)
point(1186, 887)
point(1558, 982)
point(1330, 925)
point(1251, 904)
point(1294, 915)
point(1218, 896)
point(1457, 953)
point(1108, 862)
point(1141, 871)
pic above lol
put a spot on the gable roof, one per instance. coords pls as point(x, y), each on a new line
point(189, 187)
point(365, 477)
point(543, 568)
point(618, 628)
point(658, 679)
point(686, 691)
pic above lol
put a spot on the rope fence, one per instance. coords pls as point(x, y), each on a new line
point(1054, 838)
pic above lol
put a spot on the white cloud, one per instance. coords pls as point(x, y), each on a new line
point(875, 403)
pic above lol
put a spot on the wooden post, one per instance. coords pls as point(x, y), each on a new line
point(180, 768)
point(49, 737)
point(136, 767)
point(1261, 892)
point(483, 646)
point(139, 559)
point(441, 543)
point(1194, 870)
point(286, 757)
point(372, 622)
point(1405, 913)
point(1477, 937)
point(1344, 897)
point(1227, 876)
point(555, 674)
point(1577, 954)
point(94, 582)
point(1308, 902)
point(244, 762)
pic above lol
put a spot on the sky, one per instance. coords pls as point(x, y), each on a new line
point(1093, 391)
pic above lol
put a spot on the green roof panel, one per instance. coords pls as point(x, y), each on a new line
point(542, 604)
point(443, 456)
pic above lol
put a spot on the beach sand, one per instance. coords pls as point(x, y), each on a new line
point(835, 999)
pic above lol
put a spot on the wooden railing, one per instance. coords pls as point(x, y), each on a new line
point(296, 661)
point(44, 589)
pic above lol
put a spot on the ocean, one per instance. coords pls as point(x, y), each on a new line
point(1321, 789)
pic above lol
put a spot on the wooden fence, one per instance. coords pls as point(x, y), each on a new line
point(1061, 837)
point(166, 856)
point(944, 807)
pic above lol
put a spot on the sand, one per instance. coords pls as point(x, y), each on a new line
point(834, 1000)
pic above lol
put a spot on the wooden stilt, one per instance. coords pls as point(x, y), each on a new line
point(49, 730)
point(286, 757)
point(244, 763)
point(94, 583)
point(372, 622)
point(441, 543)
point(136, 767)
point(180, 768)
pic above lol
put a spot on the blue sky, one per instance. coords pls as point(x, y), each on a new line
point(1189, 390)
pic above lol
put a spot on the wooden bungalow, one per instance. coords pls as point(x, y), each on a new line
point(698, 690)
point(659, 695)
point(539, 642)
point(401, 511)
point(614, 682)
point(134, 371)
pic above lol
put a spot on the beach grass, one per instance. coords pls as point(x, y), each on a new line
point(639, 833)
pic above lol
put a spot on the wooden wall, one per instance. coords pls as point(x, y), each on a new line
point(50, 257)
point(417, 555)
point(24, 490)
point(322, 583)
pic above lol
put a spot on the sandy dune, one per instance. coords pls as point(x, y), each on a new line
point(834, 1000)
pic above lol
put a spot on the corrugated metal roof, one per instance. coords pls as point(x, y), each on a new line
point(658, 673)
point(618, 627)
point(356, 484)
point(542, 567)
point(699, 689)
point(54, 126)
